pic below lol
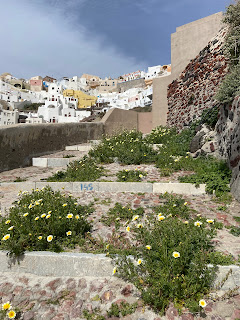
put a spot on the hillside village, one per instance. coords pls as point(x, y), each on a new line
point(48, 100)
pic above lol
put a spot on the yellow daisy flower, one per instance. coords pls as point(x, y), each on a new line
point(48, 216)
point(64, 205)
point(69, 233)
point(43, 215)
point(148, 247)
point(69, 216)
point(197, 223)
point(176, 254)
point(202, 303)
point(49, 238)
point(127, 228)
point(139, 261)
point(6, 237)
point(210, 221)
point(11, 314)
point(139, 226)
point(36, 218)
point(49, 212)
point(114, 270)
point(10, 228)
point(160, 218)
point(8, 221)
point(26, 214)
point(135, 217)
point(40, 238)
point(6, 306)
point(77, 217)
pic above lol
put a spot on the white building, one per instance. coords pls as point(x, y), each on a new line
point(8, 117)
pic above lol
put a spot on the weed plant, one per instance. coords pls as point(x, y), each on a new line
point(121, 310)
point(170, 261)
point(128, 147)
point(130, 175)
point(84, 170)
point(43, 220)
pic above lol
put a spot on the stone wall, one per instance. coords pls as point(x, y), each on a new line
point(20, 143)
point(186, 43)
point(228, 133)
point(193, 91)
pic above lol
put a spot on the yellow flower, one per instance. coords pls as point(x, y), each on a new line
point(114, 270)
point(49, 238)
point(49, 212)
point(36, 218)
point(127, 228)
point(76, 203)
point(139, 261)
point(174, 205)
point(48, 216)
point(10, 228)
point(6, 306)
point(43, 215)
point(210, 221)
point(69, 233)
point(77, 217)
point(140, 176)
point(64, 205)
point(135, 217)
point(148, 247)
point(69, 216)
point(197, 223)
point(37, 203)
point(26, 214)
point(139, 226)
point(11, 314)
point(29, 234)
point(186, 222)
point(107, 246)
point(40, 238)
point(176, 254)
point(160, 218)
point(30, 206)
point(185, 203)
point(6, 237)
point(202, 303)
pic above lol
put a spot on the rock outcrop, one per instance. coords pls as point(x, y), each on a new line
point(196, 87)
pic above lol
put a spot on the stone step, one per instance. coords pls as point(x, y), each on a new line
point(67, 264)
point(134, 187)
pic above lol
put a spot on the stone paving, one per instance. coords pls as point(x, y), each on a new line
point(66, 298)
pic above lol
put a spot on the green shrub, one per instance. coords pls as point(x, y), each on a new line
point(210, 116)
point(160, 135)
point(121, 310)
point(214, 173)
point(128, 147)
point(130, 175)
point(221, 259)
point(170, 261)
point(83, 170)
point(40, 221)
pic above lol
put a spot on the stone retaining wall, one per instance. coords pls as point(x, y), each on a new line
point(196, 87)
point(20, 143)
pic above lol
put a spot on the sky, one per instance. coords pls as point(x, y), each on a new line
point(100, 37)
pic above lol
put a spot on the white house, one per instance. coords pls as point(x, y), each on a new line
point(8, 117)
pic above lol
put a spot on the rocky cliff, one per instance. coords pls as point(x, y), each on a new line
point(196, 86)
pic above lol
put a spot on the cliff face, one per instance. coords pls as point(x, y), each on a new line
point(196, 86)
point(228, 133)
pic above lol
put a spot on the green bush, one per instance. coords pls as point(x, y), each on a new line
point(128, 147)
point(170, 261)
point(130, 175)
point(43, 220)
point(83, 170)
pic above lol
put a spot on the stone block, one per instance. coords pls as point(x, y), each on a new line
point(40, 162)
point(72, 148)
point(179, 188)
point(57, 162)
point(134, 187)
point(66, 186)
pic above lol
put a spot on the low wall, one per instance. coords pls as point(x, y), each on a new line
point(116, 120)
point(20, 143)
point(124, 86)
point(145, 122)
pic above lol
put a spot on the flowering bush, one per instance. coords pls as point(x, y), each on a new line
point(43, 220)
point(130, 175)
point(170, 261)
point(128, 147)
point(83, 170)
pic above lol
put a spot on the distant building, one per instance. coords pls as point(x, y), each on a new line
point(84, 100)
point(49, 79)
point(8, 117)
point(36, 83)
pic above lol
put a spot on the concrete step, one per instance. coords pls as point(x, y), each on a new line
point(52, 162)
point(67, 264)
point(135, 187)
